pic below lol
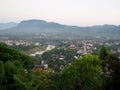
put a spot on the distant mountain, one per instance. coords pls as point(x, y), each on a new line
point(7, 25)
point(35, 26)
point(40, 26)
point(38, 23)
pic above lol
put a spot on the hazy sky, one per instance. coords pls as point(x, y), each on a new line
point(71, 12)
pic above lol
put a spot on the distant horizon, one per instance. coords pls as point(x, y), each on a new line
point(58, 23)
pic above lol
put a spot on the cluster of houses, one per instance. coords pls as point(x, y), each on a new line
point(19, 42)
point(88, 46)
point(83, 47)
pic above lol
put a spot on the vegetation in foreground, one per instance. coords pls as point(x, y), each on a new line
point(100, 72)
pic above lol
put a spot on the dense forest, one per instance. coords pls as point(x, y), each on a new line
point(91, 72)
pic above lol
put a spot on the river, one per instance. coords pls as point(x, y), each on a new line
point(49, 47)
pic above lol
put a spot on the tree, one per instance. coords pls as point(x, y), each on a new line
point(111, 68)
point(2, 72)
point(84, 74)
point(14, 69)
point(104, 53)
point(9, 54)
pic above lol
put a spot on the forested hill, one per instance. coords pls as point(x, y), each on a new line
point(41, 26)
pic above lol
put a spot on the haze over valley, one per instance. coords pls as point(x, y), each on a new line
point(56, 30)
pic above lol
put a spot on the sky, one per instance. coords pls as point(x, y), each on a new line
point(69, 12)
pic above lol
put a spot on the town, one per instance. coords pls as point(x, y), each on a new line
point(56, 54)
point(81, 46)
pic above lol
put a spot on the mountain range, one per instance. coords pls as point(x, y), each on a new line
point(7, 25)
point(52, 28)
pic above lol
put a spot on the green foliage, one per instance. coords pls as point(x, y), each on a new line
point(12, 68)
point(8, 54)
point(84, 74)
point(2, 72)
point(104, 53)
point(41, 79)
point(112, 63)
